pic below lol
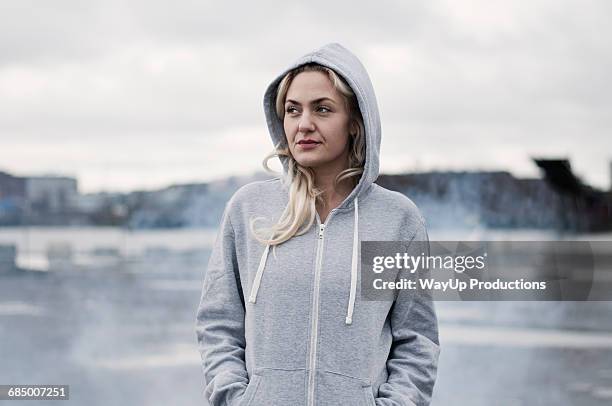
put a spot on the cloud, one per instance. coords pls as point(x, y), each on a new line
point(473, 83)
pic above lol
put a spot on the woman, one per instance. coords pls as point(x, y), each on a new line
point(304, 336)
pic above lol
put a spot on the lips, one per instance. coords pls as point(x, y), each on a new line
point(307, 145)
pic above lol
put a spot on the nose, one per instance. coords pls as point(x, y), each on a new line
point(305, 124)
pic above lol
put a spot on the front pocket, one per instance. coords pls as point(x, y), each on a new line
point(334, 389)
point(369, 396)
point(279, 387)
point(251, 390)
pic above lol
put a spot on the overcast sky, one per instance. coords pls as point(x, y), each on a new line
point(142, 94)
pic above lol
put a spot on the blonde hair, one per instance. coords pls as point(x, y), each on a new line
point(300, 212)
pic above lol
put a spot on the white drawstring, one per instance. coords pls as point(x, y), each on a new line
point(258, 275)
point(351, 305)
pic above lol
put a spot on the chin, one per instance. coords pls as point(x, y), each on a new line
point(310, 163)
point(304, 160)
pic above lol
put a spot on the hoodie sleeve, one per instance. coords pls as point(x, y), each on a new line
point(413, 358)
point(220, 322)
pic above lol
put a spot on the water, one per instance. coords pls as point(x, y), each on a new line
point(121, 332)
point(34, 242)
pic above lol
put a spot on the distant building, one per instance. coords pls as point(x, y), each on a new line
point(89, 203)
point(11, 186)
point(584, 208)
point(12, 198)
point(50, 193)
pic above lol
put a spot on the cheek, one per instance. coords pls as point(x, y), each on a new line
point(289, 133)
point(338, 135)
point(340, 143)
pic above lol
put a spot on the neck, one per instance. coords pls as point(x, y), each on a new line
point(333, 195)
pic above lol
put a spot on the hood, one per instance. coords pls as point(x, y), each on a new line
point(346, 64)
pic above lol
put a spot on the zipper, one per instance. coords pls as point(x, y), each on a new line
point(315, 309)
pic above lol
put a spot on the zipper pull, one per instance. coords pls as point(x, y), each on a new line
point(321, 228)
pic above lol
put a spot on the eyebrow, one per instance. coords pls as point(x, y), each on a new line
point(313, 102)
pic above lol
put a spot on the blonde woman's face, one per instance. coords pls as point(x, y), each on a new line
point(316, 122)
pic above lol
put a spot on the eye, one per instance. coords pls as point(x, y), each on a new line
point(327, 109)
point(290, 109)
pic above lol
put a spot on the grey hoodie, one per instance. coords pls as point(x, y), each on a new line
point(291, 329)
